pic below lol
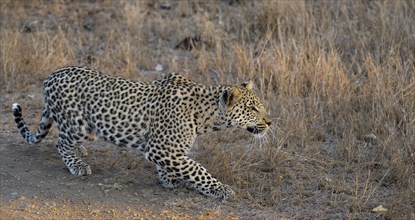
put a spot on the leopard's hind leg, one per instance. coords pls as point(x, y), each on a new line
point(71, 134)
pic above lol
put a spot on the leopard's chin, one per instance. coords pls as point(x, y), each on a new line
point(254, 130)
point(251, 129)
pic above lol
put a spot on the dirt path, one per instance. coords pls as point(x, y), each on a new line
point(36, 185)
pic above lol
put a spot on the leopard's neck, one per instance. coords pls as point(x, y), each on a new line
point(207, 114)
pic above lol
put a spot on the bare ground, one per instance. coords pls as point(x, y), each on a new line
point(35, 184)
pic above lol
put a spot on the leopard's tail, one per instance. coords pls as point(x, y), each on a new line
point(42, 130)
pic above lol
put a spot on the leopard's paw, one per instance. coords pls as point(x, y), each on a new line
point(81, 169)
point(223, 192)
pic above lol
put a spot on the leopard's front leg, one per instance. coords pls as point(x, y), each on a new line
point(186, 169)
point(197, 175)
point(169, 179)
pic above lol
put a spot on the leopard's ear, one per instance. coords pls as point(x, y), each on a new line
point(229, 98)
point(248, 85)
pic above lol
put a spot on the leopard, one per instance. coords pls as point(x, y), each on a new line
point(160, 118)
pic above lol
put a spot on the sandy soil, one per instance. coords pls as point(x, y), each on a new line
point(36, 185)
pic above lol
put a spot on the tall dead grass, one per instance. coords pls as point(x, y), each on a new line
point(337, 76)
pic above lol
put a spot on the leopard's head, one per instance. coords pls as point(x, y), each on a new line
point(241, 108)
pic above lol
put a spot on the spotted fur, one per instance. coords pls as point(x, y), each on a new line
point(161, 118)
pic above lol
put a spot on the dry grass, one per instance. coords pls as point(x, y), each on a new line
point(338, 77)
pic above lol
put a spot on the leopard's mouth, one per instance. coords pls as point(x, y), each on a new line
point(258, 129)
